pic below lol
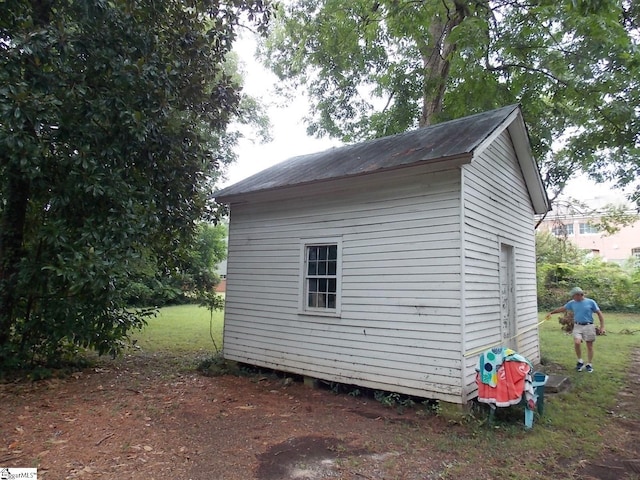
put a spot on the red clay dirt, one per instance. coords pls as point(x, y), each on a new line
point(145, 417)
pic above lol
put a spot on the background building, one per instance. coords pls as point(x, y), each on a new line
point(581, 229)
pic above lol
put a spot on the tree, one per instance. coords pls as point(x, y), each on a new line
point(552, 249)
point(378, 67)
point(562, 265)
point(113, 131)
point(190, 280)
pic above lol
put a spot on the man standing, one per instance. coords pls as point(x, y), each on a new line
point(583, 309)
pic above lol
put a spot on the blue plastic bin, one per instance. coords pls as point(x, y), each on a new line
point(539, 381)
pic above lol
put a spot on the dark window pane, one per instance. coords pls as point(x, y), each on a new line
point(322, 284)
point(310, 299)
point(322, 268)
point(313, 285)
point(322, 300)
point(313, 253)
point(322, 254)
point(331, 268)
point(331, 301)
point(333, 252)
point(331, 285)
point(312, 269)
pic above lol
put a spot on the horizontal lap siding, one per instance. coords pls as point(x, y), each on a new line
point(399, 328)
point(497, 208)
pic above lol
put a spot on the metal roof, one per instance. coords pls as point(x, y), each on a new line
point(455, 138)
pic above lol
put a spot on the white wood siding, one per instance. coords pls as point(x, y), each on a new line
point(399, 328)
point(497, 209)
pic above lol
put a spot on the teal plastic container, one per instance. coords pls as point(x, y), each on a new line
point(539, 381)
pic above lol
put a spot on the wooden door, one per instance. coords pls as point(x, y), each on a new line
point(507, 297)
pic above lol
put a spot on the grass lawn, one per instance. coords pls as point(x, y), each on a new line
point(182, 329)
point(592, 397)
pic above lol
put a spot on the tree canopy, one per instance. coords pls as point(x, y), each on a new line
point(113, 131)
point(191, 279)
point(378, 67)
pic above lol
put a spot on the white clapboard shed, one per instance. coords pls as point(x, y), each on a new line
point(392, 263)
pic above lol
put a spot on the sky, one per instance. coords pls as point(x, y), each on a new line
point(290, 138)
point(288, 129)
point(594, 194)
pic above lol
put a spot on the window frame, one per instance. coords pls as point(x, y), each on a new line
point(303, 308)
point(562, 229)
point(586, 228)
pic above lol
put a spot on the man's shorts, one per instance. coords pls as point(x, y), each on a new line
point(586, 333)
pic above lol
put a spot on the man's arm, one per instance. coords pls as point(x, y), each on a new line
point(557, 310)
point(601, 318)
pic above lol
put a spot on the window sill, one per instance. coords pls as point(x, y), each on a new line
point(319, 313)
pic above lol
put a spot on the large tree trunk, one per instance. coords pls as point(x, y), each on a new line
point(12, 223)
point(436, 53)
point(14, 214)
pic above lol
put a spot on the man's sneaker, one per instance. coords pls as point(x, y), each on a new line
point(589, 368)
point(579, 366)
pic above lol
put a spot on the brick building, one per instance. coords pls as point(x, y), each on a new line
point(581, 230)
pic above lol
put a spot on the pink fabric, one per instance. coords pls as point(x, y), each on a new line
point(510, 386)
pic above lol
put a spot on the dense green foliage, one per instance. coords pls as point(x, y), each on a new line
point(562, 266)
point(113, 130)
point(375, 68)
point(192, 279)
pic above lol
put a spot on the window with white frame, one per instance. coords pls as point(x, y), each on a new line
point(321, 277)
point(636, 252)
point(587, 228)
point(562, 230)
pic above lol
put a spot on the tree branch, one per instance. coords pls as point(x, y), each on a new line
point(522, 66)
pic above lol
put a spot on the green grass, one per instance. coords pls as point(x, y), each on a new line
point(182, 329)
point(595, 393)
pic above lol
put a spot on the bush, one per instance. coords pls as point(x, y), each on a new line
point(612, 286)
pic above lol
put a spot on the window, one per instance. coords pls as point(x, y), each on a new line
point(586, 228)
point(636, 252)
point(562, 230)
point(321, 282)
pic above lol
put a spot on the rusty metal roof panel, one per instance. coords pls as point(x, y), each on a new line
point(454, 138)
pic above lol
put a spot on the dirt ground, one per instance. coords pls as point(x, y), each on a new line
point(145, 417)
